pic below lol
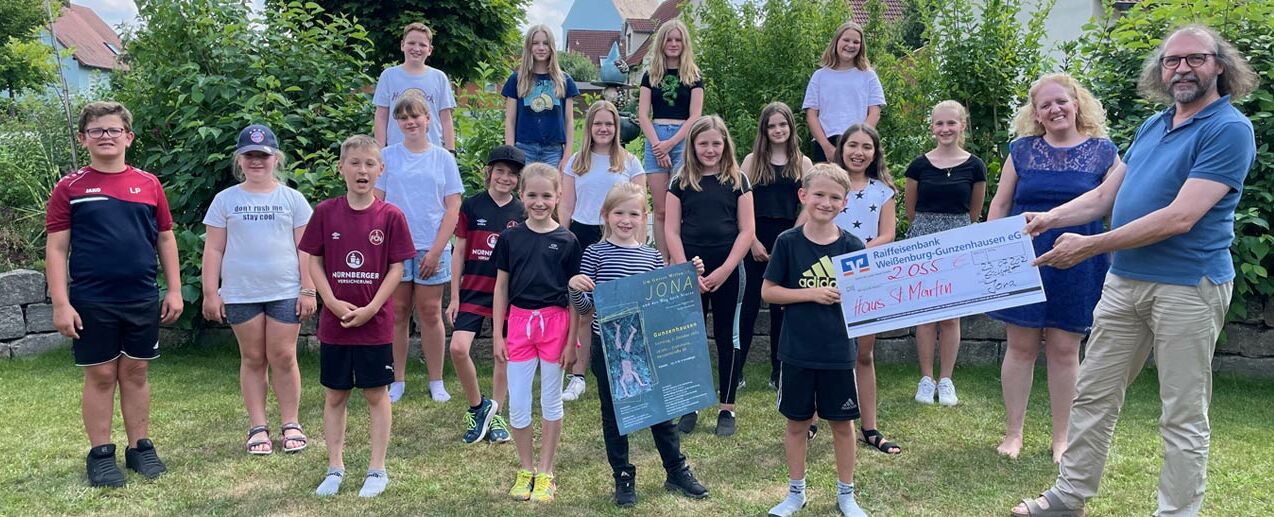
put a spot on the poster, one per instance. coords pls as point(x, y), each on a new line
point(654, 346)
point(969, 270)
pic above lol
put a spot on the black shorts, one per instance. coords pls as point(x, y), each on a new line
point(833, 393)
point(115, 329)
point(470, 322)
point(345, 367)
point(586, 234)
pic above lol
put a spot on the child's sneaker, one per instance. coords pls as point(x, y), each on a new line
point(925, 390)
point(521, 490)
point(478, 421)
point(946, 392)
point(574, 389)
point(144, 460)
point(625, 490)
point(101, 467)
point(545, 488)
point(499, 432)
point(726, 423)
point(687, 423)
point(683, 481)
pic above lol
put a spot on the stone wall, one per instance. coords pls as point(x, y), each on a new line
point(26, 328)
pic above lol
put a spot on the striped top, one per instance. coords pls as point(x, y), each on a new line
point(605, 261)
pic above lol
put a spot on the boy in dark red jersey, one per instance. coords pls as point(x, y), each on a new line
point(355, 242)
point(482, 218)
point(115, 217)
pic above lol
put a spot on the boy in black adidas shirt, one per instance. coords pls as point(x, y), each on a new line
point(818, 356)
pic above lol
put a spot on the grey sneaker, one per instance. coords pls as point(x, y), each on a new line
point(946, 392)
point(925, 390)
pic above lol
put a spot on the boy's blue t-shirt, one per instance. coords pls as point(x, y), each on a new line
point(395, 81)
point(541, 118)
point(1217, 144)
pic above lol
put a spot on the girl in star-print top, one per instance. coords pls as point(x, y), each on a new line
point(869, 215)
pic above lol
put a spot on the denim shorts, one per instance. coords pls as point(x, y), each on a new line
point(664, 131)
point(282, 311)
point(411, 268)
point(541, 153)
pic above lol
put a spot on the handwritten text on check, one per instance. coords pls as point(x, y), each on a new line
point(970, 270)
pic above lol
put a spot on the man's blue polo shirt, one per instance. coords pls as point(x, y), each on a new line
point(1217, 144)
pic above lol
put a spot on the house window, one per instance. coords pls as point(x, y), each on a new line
point(112, 48)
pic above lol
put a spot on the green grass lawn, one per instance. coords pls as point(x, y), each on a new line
point(949, 466)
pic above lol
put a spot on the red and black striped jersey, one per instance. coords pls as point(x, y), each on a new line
point(480, 224)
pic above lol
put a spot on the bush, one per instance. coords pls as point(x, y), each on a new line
point(578, 65)
point(1110, 61)
point(201, 71)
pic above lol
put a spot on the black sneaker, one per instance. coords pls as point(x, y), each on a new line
point(683, 481)
point(726, 424)
point(144, 460)
point(101, 466)
point(687, 423)
point(625, 490)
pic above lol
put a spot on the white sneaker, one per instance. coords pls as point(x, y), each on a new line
point(924, 392)
point(574, 389)
point(946, 392)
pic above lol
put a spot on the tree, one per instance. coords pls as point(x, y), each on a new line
point(466, 32)
point(200, 71)
point(25, 62)
point(578, 65)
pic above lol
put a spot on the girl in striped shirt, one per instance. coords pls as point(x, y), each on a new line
point(619, 254)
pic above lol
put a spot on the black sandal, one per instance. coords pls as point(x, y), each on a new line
point(253, 443)
point(293, 426)
point(880, 444)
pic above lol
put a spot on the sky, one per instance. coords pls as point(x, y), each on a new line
point(548, 12)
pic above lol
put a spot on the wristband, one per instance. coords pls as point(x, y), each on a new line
point(309, 292)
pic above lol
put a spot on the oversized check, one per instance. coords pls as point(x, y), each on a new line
point(970, 270)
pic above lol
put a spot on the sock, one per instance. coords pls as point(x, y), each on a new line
point(375, 483)
point(396, 390)
point(845, 501)
point(795, 499)
point(438, 391)
point(843, 488)
point(331, 482)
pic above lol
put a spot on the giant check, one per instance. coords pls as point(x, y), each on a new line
point(970, 270)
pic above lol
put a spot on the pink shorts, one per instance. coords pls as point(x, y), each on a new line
point(537, 333)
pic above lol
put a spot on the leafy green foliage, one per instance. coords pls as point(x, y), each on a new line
point(480, 129)
point(466, 32)
point(201, 71)
point(35, 151)
point(1110, 60)
point(578, 65)
point(25, 62)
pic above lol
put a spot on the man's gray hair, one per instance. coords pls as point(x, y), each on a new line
point(1237, 78)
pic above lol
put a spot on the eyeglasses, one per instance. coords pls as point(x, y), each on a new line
point(99, 132)
point(1194, 60)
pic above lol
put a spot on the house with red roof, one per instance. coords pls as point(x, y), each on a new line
point(92, 48)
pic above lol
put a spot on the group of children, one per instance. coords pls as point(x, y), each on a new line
point(551, 224)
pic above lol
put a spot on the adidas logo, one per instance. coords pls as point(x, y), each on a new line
point(848, 405)
point(821, 274)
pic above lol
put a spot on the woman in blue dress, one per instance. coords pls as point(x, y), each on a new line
point(1062, 152)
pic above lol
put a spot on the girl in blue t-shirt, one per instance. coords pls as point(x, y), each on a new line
point(538, 110)
point(671, 95)
point(253, 279)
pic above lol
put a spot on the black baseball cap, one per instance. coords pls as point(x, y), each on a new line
point(506, 153)
point(257, 138)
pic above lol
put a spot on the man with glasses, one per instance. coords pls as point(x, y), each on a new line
point(1170, 281)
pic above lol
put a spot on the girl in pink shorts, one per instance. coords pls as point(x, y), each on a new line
point(534, 261)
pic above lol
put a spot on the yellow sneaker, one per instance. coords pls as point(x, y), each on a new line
point(545, 488)
point(521, 490)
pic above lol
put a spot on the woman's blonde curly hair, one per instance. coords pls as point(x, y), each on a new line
point(1090, 116)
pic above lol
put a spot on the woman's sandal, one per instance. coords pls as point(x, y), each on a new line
point(293, 426)
point(1055, 508)
point(880, 444)
point(253, 443)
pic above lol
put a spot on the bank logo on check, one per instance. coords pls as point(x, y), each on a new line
point(855, 264)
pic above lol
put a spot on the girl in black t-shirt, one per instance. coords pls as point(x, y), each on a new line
point(945, 190)
point(710, 215)
point(774, 167)
point(671, 94)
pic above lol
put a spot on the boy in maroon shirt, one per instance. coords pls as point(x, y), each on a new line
point(107, 222)
point(355, 242)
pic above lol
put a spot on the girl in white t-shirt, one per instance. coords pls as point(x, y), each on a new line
point(870, 216)
point(600, 164)
point(252, 279)
point(844, 92)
